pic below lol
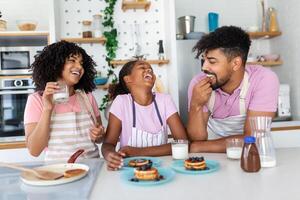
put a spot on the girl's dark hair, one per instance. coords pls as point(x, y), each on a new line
point(231, 40)
point(48, 66)
point(120, 87)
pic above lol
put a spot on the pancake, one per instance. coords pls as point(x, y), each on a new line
point(195, 163)
point(73, 172)
point(138, 162)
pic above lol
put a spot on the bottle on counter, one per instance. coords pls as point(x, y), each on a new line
point(97, 25)
point(250, 161)
point(86, 29)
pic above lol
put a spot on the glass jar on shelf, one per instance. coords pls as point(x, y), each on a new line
point(86, 29)
point(97, 25)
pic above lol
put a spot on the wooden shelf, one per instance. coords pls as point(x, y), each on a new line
point(267, 63)
point(103, 87)
point(154, 62)
point(127, 4)
point(256, 35)
point(12, 145)
point(23, 33)
point(101, 40)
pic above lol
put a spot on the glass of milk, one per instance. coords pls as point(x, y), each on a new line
point(180, 149)
point(234, 147)
point(62, 94)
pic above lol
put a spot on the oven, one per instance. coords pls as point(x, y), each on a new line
point(17, 60)
point(13, 97)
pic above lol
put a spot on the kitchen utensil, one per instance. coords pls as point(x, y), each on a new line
point(42, 174)
point(75, 155)
point(261, 130)
point(186, 24)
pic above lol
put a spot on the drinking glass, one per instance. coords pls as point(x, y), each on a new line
point(234, 147)
point(261, 130)
point(180, 149)
point(62, 94)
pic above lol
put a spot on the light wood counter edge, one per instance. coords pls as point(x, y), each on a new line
point(12, 145)
point(21, 144)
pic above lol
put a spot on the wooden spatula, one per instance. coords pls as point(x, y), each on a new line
point(42, 174)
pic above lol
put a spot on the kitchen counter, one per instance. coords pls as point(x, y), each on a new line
point(230, 182)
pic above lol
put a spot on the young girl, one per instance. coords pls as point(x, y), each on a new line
point(139, 117)
point(63, 128)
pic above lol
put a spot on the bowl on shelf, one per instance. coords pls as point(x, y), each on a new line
point(271, 57)
point(26, 25)
point(100, 80)
point(194, 35)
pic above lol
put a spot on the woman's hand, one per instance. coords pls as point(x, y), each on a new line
point(97, 133)
point(114, 160)
point(50, 89)
point(129, 151)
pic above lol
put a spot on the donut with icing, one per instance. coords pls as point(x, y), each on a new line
point(195, 163)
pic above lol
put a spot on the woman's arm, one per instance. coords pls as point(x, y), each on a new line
point(113, 158)
point(37, 134)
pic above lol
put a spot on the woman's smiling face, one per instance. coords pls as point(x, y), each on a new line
point(73, 70)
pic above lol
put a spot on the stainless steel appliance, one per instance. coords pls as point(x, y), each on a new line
point(16, 60)
point(13, 97)
point(284, 106)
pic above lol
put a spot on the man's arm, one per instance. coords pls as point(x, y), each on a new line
point(219, 145)
point(197, 119)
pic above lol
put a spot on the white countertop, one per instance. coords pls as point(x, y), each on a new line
point(230, 182)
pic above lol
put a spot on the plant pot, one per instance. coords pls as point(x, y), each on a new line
point(2, 25)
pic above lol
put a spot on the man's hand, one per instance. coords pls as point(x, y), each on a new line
point(201, 93)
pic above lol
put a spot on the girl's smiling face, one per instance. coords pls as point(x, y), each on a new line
point(141, 75)
point(73, 70)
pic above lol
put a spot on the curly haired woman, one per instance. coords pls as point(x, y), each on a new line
point(68, 127)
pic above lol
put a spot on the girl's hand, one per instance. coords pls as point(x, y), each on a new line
point(97, 133)
point(50, 89)
point(114, 160)
point(129, 151)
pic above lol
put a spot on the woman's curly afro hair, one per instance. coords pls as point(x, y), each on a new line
point(48, 66)
point(231, 40)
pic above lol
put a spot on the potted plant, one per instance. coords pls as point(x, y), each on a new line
point(2, 23)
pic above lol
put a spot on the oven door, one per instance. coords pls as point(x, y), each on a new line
point(12, 106)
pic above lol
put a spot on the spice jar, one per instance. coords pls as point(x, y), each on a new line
point(86, 29)
point(97, 25)
point(250, 161)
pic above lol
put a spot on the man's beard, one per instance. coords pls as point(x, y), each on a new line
point(217, 84)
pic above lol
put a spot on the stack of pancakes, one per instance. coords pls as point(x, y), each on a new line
point(143, 169)
point(195, 163)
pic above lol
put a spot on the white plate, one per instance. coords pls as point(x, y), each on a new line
point(60, 168)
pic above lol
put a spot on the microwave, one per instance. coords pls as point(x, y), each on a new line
point(17, 60)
